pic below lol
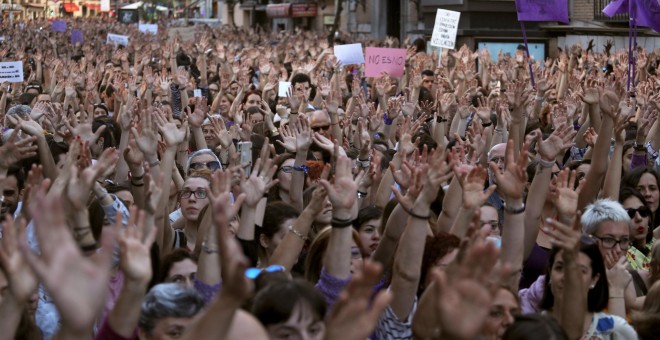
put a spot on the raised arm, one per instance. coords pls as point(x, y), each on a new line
point(254, 187)
point(612, 183)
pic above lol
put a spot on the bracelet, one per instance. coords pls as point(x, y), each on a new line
point(137, 184)
point(639, 147)
point(411, 213)
point(88, 248)
point(514, 211)
point(616, 297)
point(154, 163)
point(303, 168)
point(440, 119)
point(539, 98)
point(209, 250)
point(361, 194)
point(137, 178)
point(487, 124)
point(387, 120)
point(546, 164)
point(364, 163)
point(340, 224)
point(297, 233)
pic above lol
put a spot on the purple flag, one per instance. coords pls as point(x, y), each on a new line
point(616, 7)
point(647, 12)
point(76, 37)
point(59, 26)
point(542, 10)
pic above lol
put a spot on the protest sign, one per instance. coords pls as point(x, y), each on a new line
point(187, 33)
point(117, 39)
point(283, 88)
point(389, 60)
point(645, 13)
point(349, 54)
point(128, 16)
point(11, 71)
point(105, 5)
point(59, 26)
point(76, 37)
point(445, 28)
point(148, 28)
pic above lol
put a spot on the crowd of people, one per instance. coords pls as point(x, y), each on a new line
point(167, 189)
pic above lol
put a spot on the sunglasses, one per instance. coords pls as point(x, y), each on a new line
point(253, 273)
point(319, 128)
point(199, 194)
point(643, 212)
point(212, 165)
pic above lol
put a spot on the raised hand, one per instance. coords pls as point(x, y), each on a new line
point(260, 180)
point(172, 135)
point(355, 315)
point(472, 183)
point(135, 242)
point(303, 135)
point(511, 183)
point(220, 196)
point(564, 194)
point(79, 187)
point(12, 152)
point(77, 284)
point(560, 140)
point(644, 123)
point(343, 191)
point(288, 138)
point(22, 280)
point(483, 110)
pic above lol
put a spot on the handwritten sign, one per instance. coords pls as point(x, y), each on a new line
point(444, 31)
point(283, 88)
point(349, 54)
point(148, 28)
point(59, 26)
point(11, 71)
point(105, 5)
point(389, 60)
point(117, 39)
point(76, 37)
point(186, 33)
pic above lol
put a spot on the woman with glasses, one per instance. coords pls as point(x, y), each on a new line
point(193, 200)
point(642, 235)
point(647, 182)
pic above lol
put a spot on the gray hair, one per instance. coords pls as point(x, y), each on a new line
point(601, 211)
point(198, 153)
point(168, 300)
point(22, 111)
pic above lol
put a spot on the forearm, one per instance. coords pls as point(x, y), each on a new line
point(246, 226)
point(462, 222)
point(395, 226)
point(653, 136)
point(596, 173)
point(513, 238)
point(595, 117)
point(613, 176)
point(198, 135)
point(451, 204)
point(121, 172)
point(298, 181)
point(208, 270)
point(123, 318)
point(534, 207)
point(337, 259)
point(11, 311)
point(82, 232)
point(574, 308)
point(46, 158)
point(287, 252)
point(137, 186)
point(216, 320)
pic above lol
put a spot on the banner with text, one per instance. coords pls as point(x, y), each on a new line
point(117, 39)
point(389, 60)
point(76, 37)
point(11, 71)
point(445, 28)
point(148, 28)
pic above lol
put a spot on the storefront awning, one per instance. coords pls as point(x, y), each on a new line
point(303, 10)
point(35, 5)
point(70, 7)
point(278, 10)
point(93, 7)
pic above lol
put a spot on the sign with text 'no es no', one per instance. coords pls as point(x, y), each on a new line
point(445, 28)
point(389, 60)
point(11, 71)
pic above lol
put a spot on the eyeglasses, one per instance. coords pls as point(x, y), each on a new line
point(610, 242)
point(643, 212)
point(497, 160)
point(253, 273)
point(199, 194)
point(286, 169)
point(212, 165)
point(319, 128)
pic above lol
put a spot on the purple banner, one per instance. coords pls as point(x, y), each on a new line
point(542, 10)
point(647, 12)
point(76, 37)
point(59, 26)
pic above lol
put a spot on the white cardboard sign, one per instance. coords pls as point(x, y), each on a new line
point(105, 5)
point(148, 28)
point(349, 54)
point(444, 30)
point(283, 88)
point(117, 39)
point(11, 71)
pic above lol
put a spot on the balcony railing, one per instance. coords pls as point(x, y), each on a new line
point(600, 16)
